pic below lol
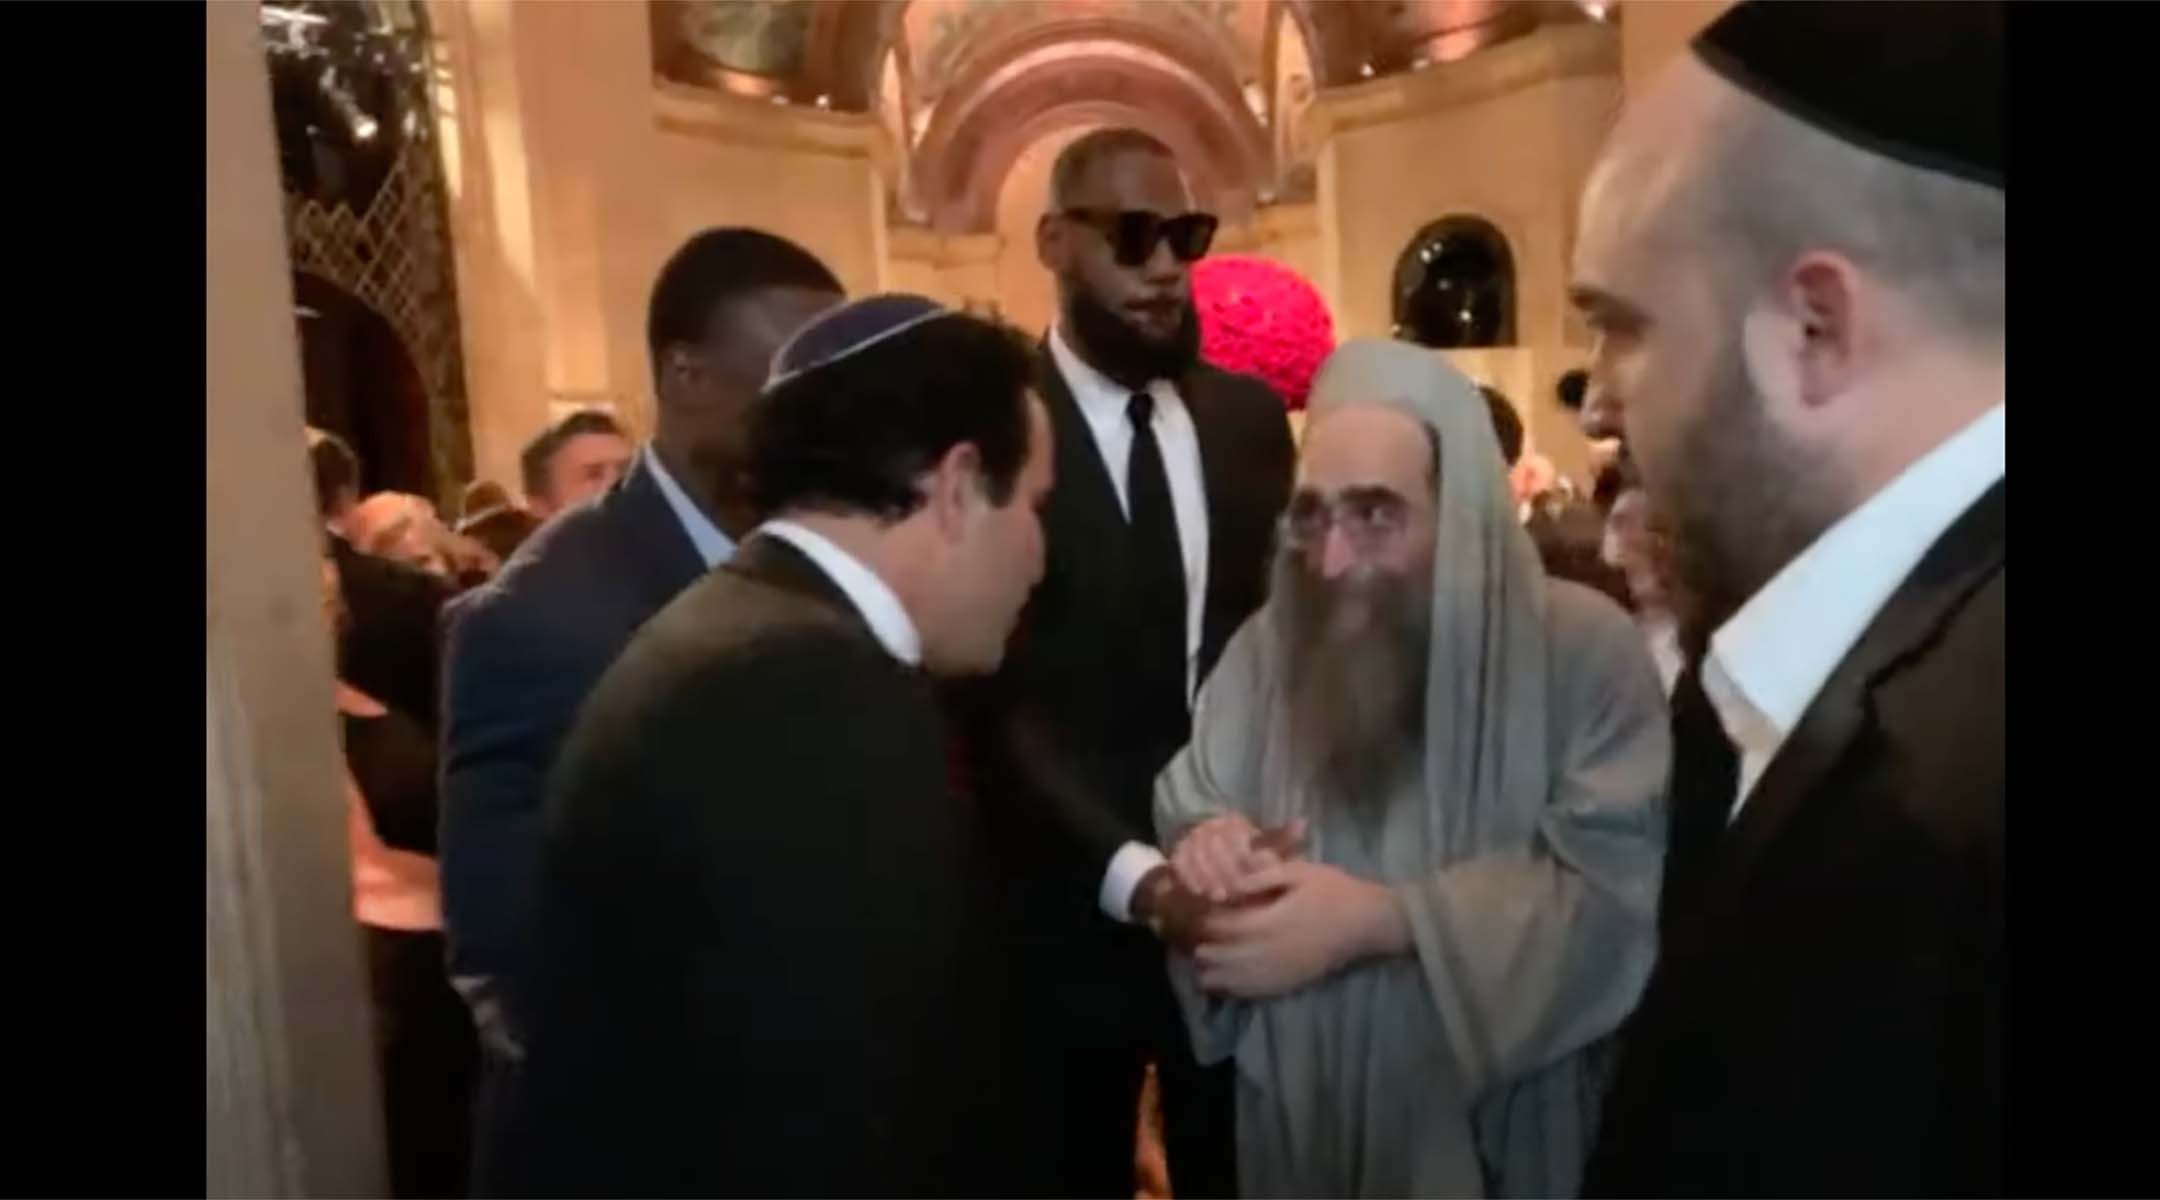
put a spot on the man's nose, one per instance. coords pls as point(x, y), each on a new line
point(1601, 412)
point(1336, 555)
point(1161, 267)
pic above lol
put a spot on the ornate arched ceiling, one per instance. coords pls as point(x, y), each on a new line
point(980, 79)
point(1030, 76)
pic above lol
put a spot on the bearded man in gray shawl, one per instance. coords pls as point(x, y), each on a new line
point(1474, 757)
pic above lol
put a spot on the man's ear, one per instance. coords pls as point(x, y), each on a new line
point(954, 488)
point(1824, 303)
point(678, 363)
point(1050, 246)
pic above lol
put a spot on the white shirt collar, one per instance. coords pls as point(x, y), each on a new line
point(712, 545)
point(1767, 663)
point(872, 597)
point(1102, 400)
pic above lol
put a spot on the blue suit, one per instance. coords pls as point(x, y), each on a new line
point(520, 655)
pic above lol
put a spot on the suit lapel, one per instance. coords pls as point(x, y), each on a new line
point(1083, 483)
point(1967, 555)
point(668, 561)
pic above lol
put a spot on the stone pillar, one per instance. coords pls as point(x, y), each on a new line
point(290, 1099)
point(572, 177)
point(480, 102)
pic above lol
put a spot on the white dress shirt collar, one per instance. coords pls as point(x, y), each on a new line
point(712, 545)
point(1767, 663)
point(872, 596)
point(1102, 400)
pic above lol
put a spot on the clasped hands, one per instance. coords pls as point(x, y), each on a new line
point(1256, 919)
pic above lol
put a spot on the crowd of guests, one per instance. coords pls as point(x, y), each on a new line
point(932, 734)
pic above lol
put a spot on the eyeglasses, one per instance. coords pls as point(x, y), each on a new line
point(1370, 518)
point(1134, 232)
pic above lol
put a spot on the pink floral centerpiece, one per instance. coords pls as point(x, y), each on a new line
point(1261, 318)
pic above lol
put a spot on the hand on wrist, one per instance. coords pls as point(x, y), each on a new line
point(1382, 928)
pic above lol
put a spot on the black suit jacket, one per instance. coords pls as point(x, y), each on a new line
point(522, 653)
point(767, 966)
point(1055, 745)
point(388, 648)
point(1826, 1014)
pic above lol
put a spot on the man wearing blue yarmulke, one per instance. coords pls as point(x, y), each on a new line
point(771, 954)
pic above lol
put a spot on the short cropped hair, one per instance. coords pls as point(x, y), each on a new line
point(718, 266)
point(1080, 156)
point(539, 453)
point(1771, 187)
point(854, 435)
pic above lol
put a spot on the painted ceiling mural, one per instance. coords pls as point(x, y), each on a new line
point(968, 84)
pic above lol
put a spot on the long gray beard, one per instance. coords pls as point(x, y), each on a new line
point(1355, 673)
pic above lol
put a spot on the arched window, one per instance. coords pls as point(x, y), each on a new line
point(1455, 286)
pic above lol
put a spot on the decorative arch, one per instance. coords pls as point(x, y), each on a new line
point(994, 110)
point(1455, 285)
point(365, 207)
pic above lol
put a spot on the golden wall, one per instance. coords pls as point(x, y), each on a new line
point(1651, 33)
point(1507, 135)
point(573, 174)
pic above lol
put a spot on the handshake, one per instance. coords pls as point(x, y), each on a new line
point(1207, 874)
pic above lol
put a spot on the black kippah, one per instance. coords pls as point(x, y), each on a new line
point(1920, 81)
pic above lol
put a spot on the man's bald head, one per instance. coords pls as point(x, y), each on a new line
point(1786, 312)
point(1707, 169)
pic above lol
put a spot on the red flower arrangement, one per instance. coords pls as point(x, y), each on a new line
point(1261, 318)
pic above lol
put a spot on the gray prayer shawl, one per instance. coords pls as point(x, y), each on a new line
point(1527, 859)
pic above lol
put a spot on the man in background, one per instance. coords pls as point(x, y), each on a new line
point(1566, 531)
point(523, 651)
point(488, 515)
point(1170, 477)
point(572, 460)
point(772, 962)
point(1792, 262)
point(388, 646)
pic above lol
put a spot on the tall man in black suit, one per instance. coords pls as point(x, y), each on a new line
point(1170, 478)
point(1792, 257)
point(771, 962)
point(523, 651)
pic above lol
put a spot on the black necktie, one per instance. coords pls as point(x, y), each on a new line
point(1157, 564)
point(1705, 781)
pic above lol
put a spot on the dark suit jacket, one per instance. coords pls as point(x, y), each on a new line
point(767, 965)
point(1056, 745)
point(389, 647)
point(522, 653)
point(1826, 1014)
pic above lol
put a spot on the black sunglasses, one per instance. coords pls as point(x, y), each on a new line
point(1133, 233)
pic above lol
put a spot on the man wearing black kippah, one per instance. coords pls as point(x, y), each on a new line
point(1791, 256)
point(771, 962)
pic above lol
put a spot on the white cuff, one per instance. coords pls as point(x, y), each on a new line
point(1128, 867)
